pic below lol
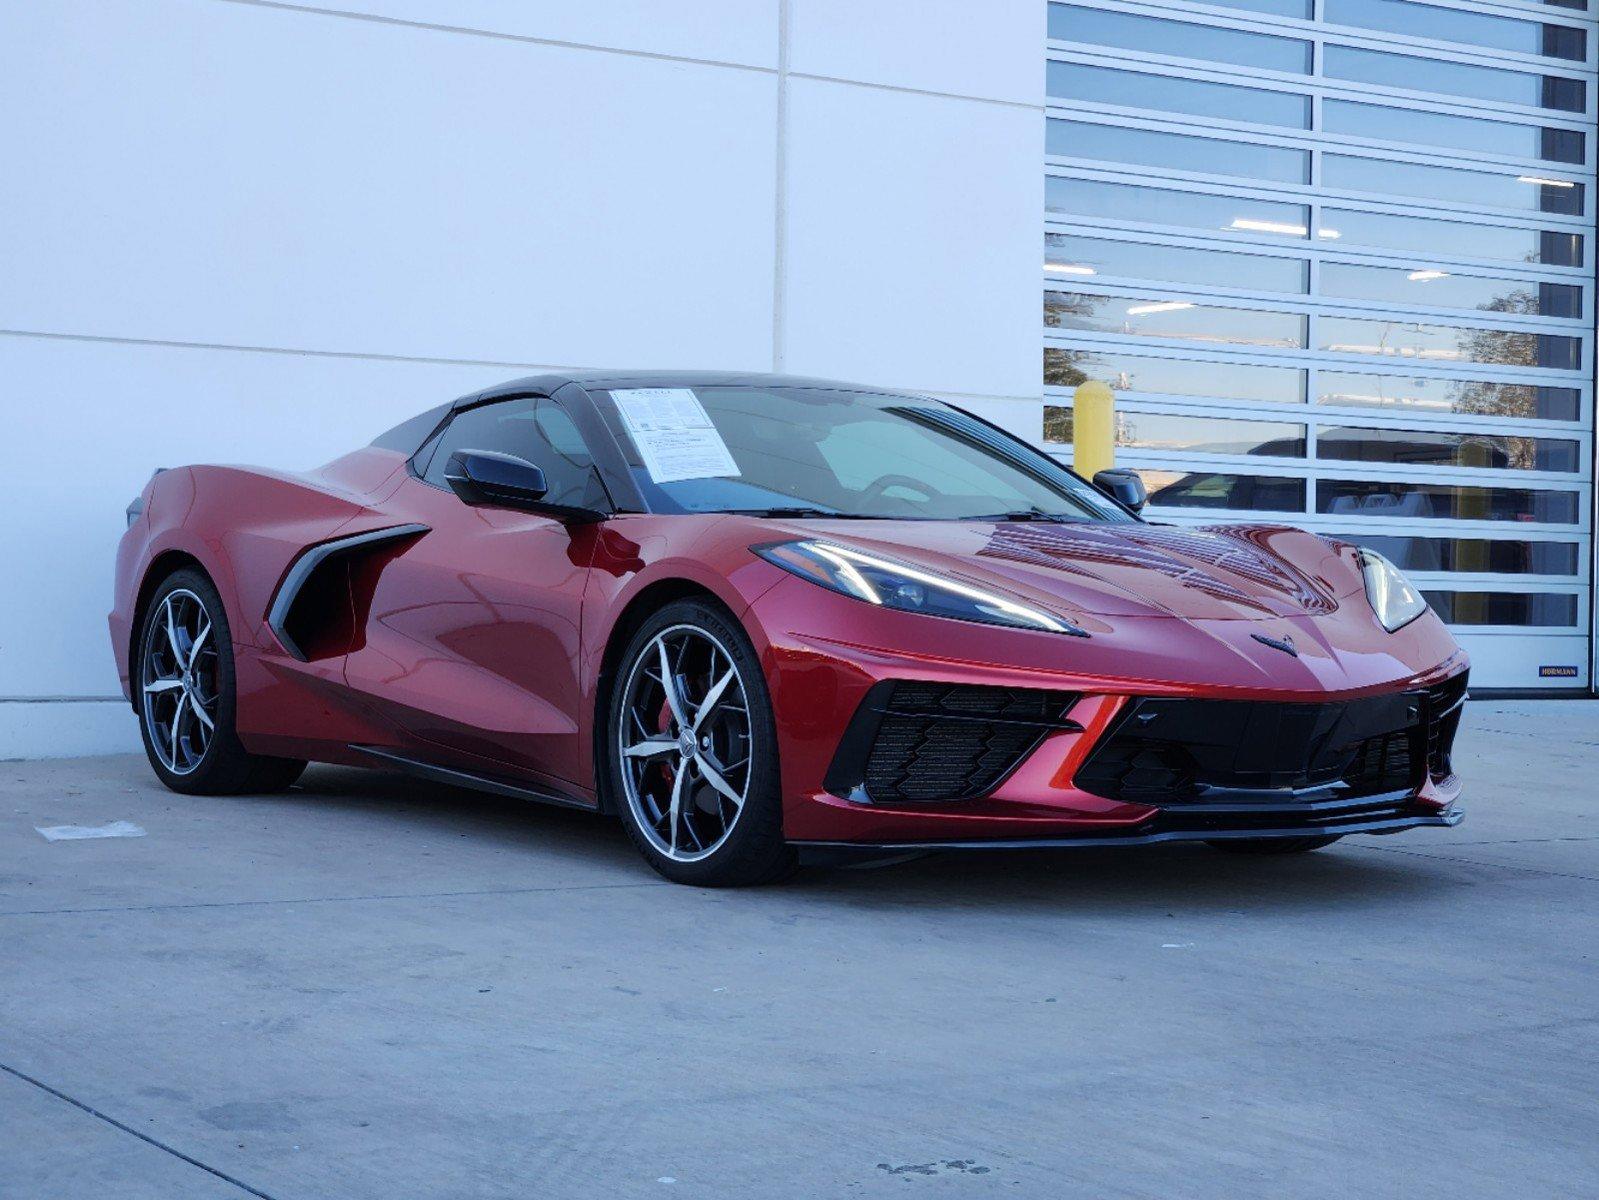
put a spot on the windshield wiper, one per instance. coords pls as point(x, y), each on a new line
point(1027, 514)
point(800, 511)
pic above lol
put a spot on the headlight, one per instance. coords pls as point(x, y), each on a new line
point(1393, 598)
point(891, 584)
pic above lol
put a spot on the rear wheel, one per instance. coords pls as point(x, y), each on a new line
point(184, 692)
point(1289, 845)
point(691, 750)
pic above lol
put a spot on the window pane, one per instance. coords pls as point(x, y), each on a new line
point(1449, 343)
point(1389, 177)
point(1179, 433)
point(1443, 501)
point(1167, 318)
point(1281, 8)
point(1476, 555)
point(1155, 35)
point(1425, 234)
point(1065, 367)
point(1212, 489)
point(1162, 206)
point(1175, 151)
point(1431, 394)
point(1435, 448)
point(1069, 254)
point(1438, 288)
point(1451, 132)
point(1494, 84)
point(1504, 608)
point(1191, 97)
point(1445, 24)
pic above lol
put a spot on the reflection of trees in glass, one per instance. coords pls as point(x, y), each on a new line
point(1064, 368)
point(1057, 423)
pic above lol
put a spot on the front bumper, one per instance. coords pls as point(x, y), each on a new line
point(822, 688)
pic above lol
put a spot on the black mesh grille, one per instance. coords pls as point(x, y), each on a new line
point(942, 742)
point(1173, 751)
point(1445, 703)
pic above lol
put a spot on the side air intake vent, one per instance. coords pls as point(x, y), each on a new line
point(320, 607)
point(914, 742)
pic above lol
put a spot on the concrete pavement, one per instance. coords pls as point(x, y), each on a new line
point(369, 987)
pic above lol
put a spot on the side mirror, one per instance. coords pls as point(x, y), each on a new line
point(486, 477)
point(1124, 486)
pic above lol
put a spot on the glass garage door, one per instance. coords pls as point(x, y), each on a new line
point(1337, 259)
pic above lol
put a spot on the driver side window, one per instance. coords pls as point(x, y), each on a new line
point(534, 428)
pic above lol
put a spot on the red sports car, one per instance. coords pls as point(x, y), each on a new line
point(760, 618)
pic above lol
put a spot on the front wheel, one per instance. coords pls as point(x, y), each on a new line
point(691, 751)
point(184, 693)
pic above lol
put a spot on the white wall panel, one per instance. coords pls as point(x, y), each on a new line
point(740, 31)
point(886, 283)
point(951, 46)
point(228, 173)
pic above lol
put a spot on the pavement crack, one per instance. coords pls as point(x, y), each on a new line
point(117, 908)
point(130, 1131)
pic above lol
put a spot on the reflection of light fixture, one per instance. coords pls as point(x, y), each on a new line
point(1267, 226)
point(1542, 182)
point(1069, 269)
point(1329, 234)
point(1139, 310)
point(1424, 276)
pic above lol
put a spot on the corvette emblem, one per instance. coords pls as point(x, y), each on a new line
point(1286, 645)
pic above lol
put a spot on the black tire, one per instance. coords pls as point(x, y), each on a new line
point(751, 849)
point(1289, 845)
point(221, 766)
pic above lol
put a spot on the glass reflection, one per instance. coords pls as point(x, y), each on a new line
point(1440, 288)
point(1192, 97)
point(1422, 234)
point(1542, 610)
point(1495, 84)
point(1068, 367)
point(1445, 131)
point(1497, 556)
point(1447, 24)
point(1443, 501)
point(1163, 317)
point(1184, 434)
point(1222, 490)
point(1435, 448)
point(1425, 393)
point(1448, 343)
point(1157, 35)
point(1164, 206)
point(1540, 193)
point(1175, 151)
point(1074, 255)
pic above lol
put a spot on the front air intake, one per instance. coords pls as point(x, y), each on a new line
point(914, 742)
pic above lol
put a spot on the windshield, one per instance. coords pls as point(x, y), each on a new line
point(836, 453)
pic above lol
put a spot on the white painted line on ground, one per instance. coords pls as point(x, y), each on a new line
point(73, 833)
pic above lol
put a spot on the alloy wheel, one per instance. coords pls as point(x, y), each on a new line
point(683, 741)
point(178, 682)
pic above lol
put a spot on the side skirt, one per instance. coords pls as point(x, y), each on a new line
point(454, 777)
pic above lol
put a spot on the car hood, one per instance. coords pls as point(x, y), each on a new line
point(1245, 573)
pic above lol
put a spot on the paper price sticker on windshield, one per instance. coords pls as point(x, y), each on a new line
point(674, 434)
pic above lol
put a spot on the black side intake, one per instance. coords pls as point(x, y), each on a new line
point(913, 742)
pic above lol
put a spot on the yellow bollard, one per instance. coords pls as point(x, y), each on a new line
point(1093, 428)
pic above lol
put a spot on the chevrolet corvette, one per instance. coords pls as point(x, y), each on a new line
point(763, 619)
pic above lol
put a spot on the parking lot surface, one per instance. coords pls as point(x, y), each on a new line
point(369, 987)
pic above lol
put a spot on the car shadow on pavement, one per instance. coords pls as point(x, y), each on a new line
point(1197, 877)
